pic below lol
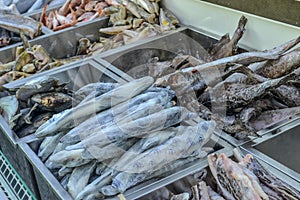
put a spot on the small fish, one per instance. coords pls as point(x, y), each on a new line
point(145, 4)
point(131, 7)
point(165, 23)
point(115, 29)
point(151, 18)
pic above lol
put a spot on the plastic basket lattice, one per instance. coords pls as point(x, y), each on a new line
point(11, 184)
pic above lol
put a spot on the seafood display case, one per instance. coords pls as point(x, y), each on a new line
point(77, 75)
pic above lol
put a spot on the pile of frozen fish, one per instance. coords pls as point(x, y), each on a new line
point(246, 179)
point(29, 106)
point(244, 93)
point(118, 136)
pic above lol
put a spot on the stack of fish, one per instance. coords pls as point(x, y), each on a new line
point(114, 140)
point(34, 103)
point(30, 60)
point(246, 180)
point(131, 21)
point(72, 12)
point(244, 93)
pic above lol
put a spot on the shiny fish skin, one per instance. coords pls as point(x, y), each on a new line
point(118, 95)
point(99, 87)
point(79, 178)
point(172, 149)
point(153, 122)
point(112, 150)
point(145, 143)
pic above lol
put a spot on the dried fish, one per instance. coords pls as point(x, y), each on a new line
point(226, 46)
point(52, 101)
point(38, 85)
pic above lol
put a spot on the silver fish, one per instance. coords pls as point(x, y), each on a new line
point(68, 158)
point(118, 95)
point(93, 187)
point(79, 178)
point(48, 145)
point(148, 101)
point(172, 149)
point(62, 172)
point(151, 123)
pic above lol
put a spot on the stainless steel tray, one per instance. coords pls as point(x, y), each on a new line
point(280, 148)
point(77, 74)
point(185, 183)
point(60, 44)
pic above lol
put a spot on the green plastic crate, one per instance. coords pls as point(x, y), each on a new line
point(11, 184)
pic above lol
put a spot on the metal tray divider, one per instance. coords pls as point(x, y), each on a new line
point(294, 177)
point(112, 68)
point(112, 72)
point(41, 170)
point(144, 41)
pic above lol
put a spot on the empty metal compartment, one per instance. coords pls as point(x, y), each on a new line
point(284, 148)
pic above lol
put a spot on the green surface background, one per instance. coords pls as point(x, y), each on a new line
point(287, 11)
